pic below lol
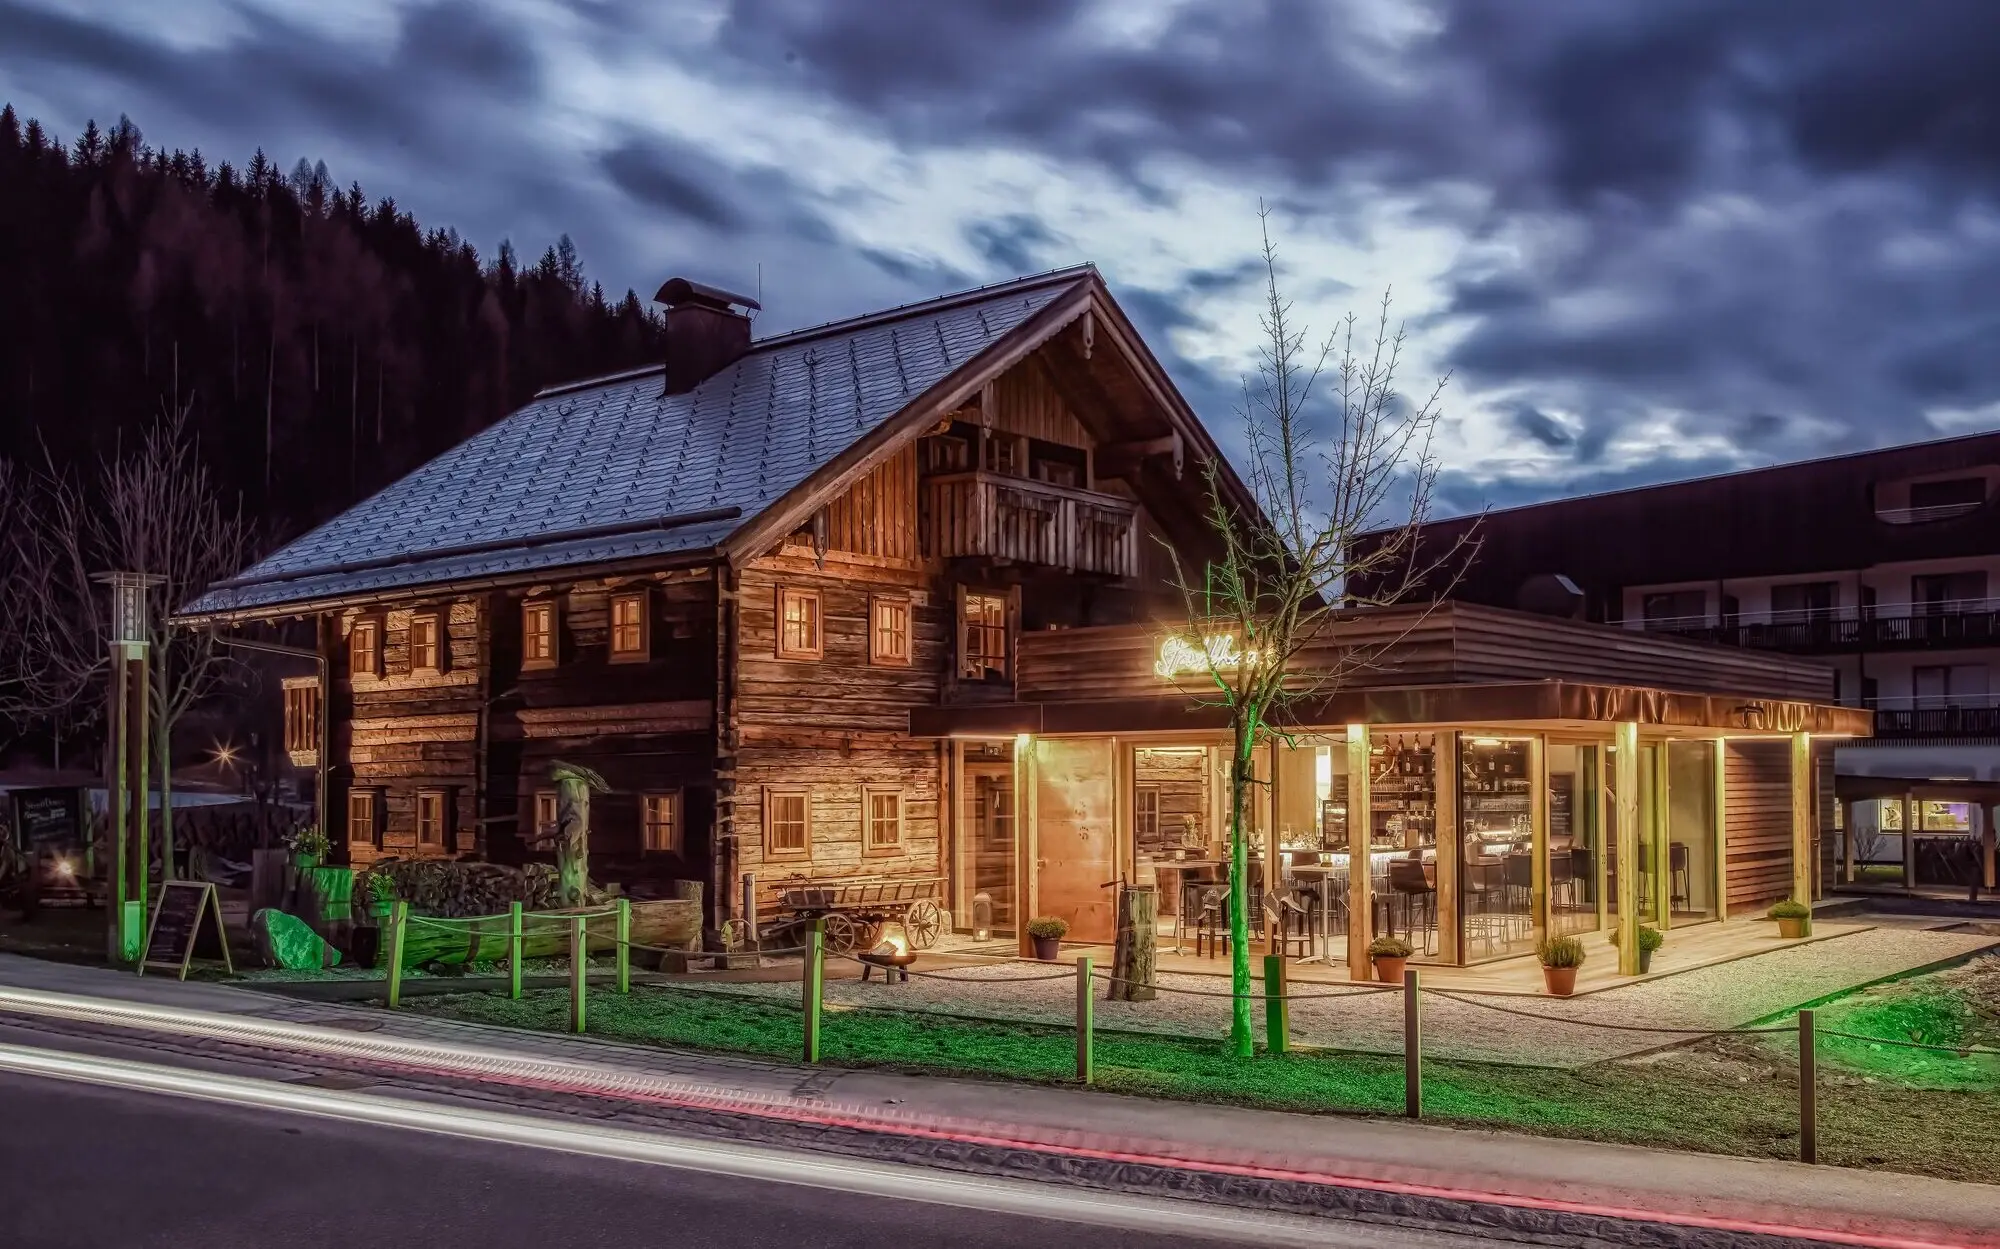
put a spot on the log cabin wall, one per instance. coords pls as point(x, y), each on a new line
point(403, 732)
point(1757, 780)
point(838, 725)
point(646, 724)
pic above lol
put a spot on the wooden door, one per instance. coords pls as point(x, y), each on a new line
point(1076, 817)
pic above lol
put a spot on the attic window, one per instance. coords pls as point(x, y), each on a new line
point(426, 652)
point(628, 627)
point(538, 634)
point(364, 649)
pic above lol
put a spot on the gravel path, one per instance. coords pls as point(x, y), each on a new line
point(1724, 996)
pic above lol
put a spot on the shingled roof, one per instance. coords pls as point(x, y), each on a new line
point(611, 470)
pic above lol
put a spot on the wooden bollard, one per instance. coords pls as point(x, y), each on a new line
point(1808, 1088)
point(1413, 1046)
point(750, 938)
point(1086, 1025)
point(624, 945)
point(813, 987)
point(514, 942)
point(1277, 1011)
point(579, 948)
point(399, 913)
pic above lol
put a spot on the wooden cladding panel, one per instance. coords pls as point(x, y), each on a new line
point(1757, 785)
point(877, 516)
point(1025, 403)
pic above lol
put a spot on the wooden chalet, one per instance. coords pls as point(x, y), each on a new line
point(882, 602)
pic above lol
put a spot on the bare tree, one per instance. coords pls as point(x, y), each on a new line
point(16, 550)
point(153, 511)
point(1334, 451)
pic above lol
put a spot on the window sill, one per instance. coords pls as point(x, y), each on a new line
point(637, 658)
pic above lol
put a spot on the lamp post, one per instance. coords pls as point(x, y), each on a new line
point(125, 784)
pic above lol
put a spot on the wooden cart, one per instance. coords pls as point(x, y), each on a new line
point(855, 909)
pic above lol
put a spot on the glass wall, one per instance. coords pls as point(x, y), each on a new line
point(1575, 835)
point(1690, 831)
point(1496, 874)
point(983, 856)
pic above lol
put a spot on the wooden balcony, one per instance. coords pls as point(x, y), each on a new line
point(981, 515)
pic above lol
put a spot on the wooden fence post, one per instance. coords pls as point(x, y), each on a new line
point(624, 945)
point(814, 979)
point(1277, 1018)
point(1413, 1046)
point(579, 949)
point(514, 950)
point(1086, 1025)
point(398, 915)
point(1808, 1089)
point(750, 937)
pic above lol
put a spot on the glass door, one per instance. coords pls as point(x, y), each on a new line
point(983, 885)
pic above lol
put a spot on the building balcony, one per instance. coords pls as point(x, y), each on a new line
point(1948, 716)
point(1927, 626)
point(1002, 519)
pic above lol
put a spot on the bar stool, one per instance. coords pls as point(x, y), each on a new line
point(1677, 866)
point(1212, 921)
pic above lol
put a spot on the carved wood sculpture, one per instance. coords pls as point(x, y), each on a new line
point(574, 785)
point(1135, 952)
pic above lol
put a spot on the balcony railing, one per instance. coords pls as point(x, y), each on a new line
point(1949, 715)
point(1923, 515)
point(1952, 622)
point(990, 516)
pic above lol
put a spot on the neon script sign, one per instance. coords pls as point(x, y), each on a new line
point(1217, 652)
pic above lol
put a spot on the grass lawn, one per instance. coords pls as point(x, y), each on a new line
point(1733, 1096)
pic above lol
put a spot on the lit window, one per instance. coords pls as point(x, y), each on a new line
point(424, 653)
point(538, 635)
point(364, 649)
point(662, 830)
point(432, 810)
point(883, 811)
point(787, 823)
point(889, 631)
point(545, 812)
point(983, 648)
point(363, 826)
point(799, 634)
point(628, 625)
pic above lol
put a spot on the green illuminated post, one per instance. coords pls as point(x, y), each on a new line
point(398, 913)
point(1808, 1089)
point(1413, 1047)
point(1086, 1025)
point(814, 984)
point(514, 944)
point(624, 945)
point(1277, 1010)
point(579, 947)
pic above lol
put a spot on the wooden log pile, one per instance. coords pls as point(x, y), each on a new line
point(672, 923)
point(448, 888)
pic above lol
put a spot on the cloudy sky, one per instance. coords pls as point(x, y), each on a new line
point(1649, 238)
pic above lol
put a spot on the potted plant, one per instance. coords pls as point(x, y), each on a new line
point(310, 847)
point(1047, 932)
point(1560, 956)
point(1390, 955)
point(380, 895)
point(1650, 939)
point(1794, 918)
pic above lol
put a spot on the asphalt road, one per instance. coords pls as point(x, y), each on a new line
point(94, 1163)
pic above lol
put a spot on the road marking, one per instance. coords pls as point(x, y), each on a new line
point(1026, 1199)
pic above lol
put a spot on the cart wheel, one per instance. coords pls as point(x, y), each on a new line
point(841, 936)
point(923, 923)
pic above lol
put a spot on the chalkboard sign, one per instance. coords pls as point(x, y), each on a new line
point(175, 933)
point(1562, 802)
point(48, 819)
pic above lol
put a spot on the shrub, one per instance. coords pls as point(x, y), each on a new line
point(1789, 909)
point(1390, 947)
point(1046, 926)
point(1650, 938)
point(1560, 952)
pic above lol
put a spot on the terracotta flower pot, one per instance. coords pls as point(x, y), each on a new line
point(1792, 927)
point(1560, 981)
point(1047, 949)
point(1390, 970)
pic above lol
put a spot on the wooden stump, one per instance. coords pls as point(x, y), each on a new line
point(1134, 956)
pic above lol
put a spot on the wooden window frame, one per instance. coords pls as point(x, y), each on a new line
point(876, 654)
point(786, 594)
point(643, 651)
point(530, 608)
point(677, 842)
point(444, 833)
point(536, 802)
point(965, 596)
point(772, 851)
point(372, 627)
point(439, 645)
point(367, 797)
point(1147, 790)
point(869, 793)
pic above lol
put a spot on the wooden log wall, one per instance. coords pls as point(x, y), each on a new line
point(1757, 789)
point(406, 731)
point(837, 724)
point(1182, 778)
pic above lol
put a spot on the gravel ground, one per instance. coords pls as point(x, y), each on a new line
point(1504, 1029)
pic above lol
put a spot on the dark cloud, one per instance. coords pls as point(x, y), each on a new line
point(656, 175)
point(1541, 427)
point(1011, 244)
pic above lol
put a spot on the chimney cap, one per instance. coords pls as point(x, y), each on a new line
point(677, 291)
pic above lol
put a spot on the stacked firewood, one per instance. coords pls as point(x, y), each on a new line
point(455, 889)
